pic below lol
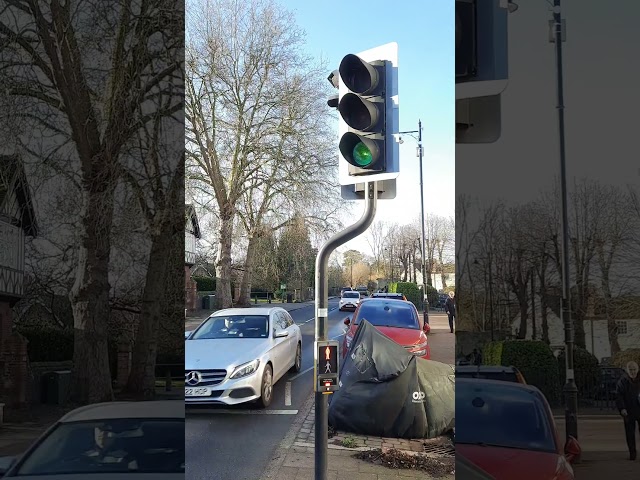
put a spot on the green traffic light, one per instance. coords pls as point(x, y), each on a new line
point(362, 155)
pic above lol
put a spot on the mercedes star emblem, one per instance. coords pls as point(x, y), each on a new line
point(193, 378)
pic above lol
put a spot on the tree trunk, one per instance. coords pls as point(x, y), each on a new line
point(223, 263)
point(543, 314)
point(245, 284)
point(142, 377)
point(524, 314)
point(89, 296)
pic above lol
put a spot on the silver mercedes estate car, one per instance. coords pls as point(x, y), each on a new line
point(238, 354)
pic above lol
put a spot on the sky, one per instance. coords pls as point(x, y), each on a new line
point(601, 103)
point(424, 32)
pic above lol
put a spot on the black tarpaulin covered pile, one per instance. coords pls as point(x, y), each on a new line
point(385, 391)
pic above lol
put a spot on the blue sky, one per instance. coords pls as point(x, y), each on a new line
point(424, 32)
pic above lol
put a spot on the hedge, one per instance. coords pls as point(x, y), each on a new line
point(48, 344)
point(621, 359)
point(492, 353)
point(586, 369)
point(533, 358)
point(412, 292)
point(205, 284)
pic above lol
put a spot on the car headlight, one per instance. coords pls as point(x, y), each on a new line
point(245, 369)
point(419, 350)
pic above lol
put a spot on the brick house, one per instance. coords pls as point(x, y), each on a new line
point(17, 221)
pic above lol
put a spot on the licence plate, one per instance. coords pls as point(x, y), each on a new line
point(196, 392)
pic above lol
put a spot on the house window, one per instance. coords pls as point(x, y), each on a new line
point(622, 327)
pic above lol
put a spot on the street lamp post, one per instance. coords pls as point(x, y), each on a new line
point(570, 389)
point(425, 310)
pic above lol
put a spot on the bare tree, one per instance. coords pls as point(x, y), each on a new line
point(85, 86)
point(376, 235)
point(252, 103)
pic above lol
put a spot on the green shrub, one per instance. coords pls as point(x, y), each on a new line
point(537, 364)
point(48, 344)
point(393, 287)
point(621, 359)
point(411, 291)
point(432, 295)
point(492, 353)
point(586, 370)
point(205, 284)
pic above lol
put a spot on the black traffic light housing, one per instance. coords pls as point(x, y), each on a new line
point(364, 111)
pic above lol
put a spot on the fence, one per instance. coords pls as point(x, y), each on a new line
point(170, 372)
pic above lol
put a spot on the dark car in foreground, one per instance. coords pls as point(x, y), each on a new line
point(115, 440)
point(507, 430)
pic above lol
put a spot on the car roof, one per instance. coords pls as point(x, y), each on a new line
point(498, 383)
point(113, 410)
point(486, 368)
point(246, 311)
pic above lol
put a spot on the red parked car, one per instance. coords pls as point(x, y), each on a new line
point(397, 319)
point(507, 430)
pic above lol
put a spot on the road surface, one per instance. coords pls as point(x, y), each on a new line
point(225, 443)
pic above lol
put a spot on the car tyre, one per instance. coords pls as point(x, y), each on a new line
point(266, 387)
point(297, 363)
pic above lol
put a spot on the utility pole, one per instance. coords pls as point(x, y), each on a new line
point(425, 303)
point(321, 333)
point(570, 389)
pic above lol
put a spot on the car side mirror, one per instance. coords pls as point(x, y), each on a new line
point(282, 334)
point(347, 321)
point(186, 334)
point(427, 328)
point(572, 450)
point(6, 463)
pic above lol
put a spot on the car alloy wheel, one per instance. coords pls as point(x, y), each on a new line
point(266, 390)
point(297, 364)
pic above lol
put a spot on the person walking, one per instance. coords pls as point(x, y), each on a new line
point(450, 308)
point(628, 403)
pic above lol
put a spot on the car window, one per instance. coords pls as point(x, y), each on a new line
point(384, 313)
point(502, 416)
point(232, 326)
point(289, 320)
point(351, 295)
point(280, 321)
point(109, 446)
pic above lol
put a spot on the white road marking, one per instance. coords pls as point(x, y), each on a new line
point(287, 394)
point(244, 412)
point(338, 336)
point(299, 375)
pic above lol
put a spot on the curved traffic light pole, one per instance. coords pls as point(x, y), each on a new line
point(322, 304)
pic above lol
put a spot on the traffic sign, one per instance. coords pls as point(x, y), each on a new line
point(326, 367)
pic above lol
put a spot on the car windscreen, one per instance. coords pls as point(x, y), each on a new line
point(233, 326)
point(109, 446)
point(384, 313)
point(500, 415)
point(351, 295)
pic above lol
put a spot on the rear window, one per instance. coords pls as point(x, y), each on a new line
point(351, 295)
point(502, 416)
point(388, 314)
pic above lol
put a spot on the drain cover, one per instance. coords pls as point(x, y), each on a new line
point(440, 450)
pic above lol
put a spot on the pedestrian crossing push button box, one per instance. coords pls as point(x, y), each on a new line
point(326, 367)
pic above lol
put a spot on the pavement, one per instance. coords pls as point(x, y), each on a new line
point(295, 457)
point(604, 449)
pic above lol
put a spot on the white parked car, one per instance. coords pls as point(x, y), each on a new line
point(238, 354)
point(350, 300)
point(115, 440)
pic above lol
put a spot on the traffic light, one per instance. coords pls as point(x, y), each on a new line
point(368, 115)
point(326, 367)
point(481, 68)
